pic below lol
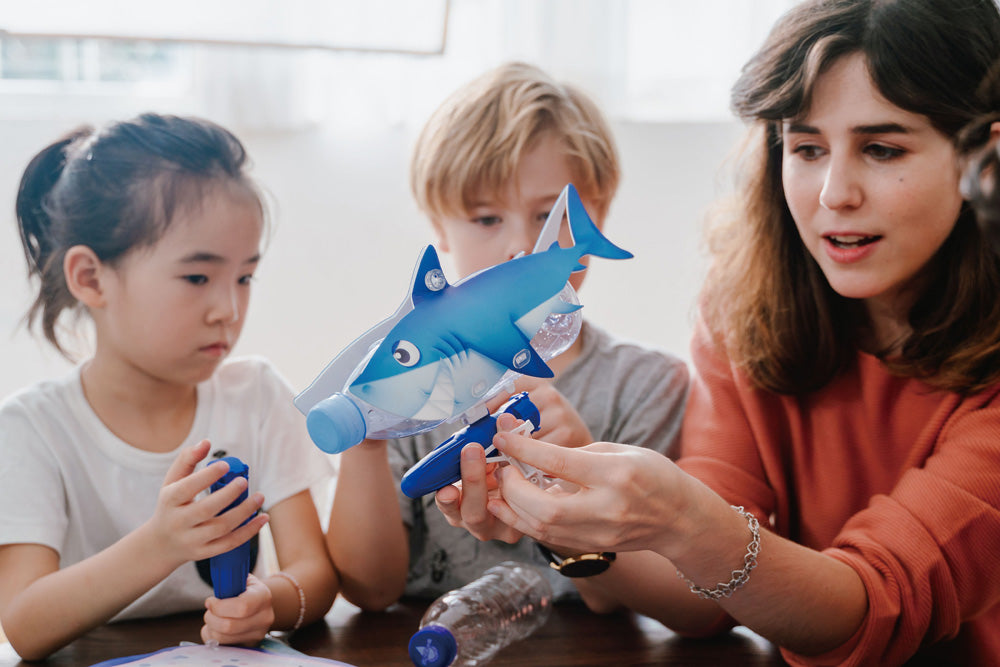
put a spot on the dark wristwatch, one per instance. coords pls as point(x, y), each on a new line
point(581, 565)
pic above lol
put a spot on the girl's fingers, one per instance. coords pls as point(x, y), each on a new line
point(186, 462)
point(213, 504)
point(185, 490)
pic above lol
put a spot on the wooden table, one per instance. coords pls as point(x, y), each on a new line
point(573, 637)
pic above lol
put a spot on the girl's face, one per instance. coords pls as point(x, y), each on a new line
point(873, 189)
point(501, 225)
point(174, 310)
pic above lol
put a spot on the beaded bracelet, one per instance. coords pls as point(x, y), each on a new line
point(302, 597)
point(739, 577)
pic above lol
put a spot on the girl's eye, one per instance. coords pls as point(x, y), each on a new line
point(882, 152)
point(196, 279)
point(487, 220)
point(246, 280)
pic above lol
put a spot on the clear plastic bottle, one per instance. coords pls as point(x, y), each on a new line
point(467, 626)
point(343, 420)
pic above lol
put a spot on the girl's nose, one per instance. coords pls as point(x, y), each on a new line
point(840, 186)
point(226, 308)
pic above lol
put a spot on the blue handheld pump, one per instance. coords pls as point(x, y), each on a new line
point(231, 569)
point(442, 466)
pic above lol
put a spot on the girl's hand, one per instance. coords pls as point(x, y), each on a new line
point(628, 497)
point(244, 619)
point(185, 527)
point(464, 503)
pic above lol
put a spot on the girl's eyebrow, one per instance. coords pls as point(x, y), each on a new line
point(878, 128)
point(212, 258)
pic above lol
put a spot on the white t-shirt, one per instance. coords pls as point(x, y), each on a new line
point(69, 483)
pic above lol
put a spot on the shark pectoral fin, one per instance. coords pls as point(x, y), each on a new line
point(561, 307)
point(514, 351)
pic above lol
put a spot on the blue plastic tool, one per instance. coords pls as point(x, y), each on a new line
point(231, 569)
point(442, 466)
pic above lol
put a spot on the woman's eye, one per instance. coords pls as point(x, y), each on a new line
point(881, 152)
point(196, 279)
point(808, 151)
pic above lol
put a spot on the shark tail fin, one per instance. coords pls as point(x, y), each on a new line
point(588, 238)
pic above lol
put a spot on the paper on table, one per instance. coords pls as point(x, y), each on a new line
point(224, 656)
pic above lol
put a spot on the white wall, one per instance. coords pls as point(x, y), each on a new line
point(346, 236)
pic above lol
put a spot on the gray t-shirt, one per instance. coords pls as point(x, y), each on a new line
point(625, 393)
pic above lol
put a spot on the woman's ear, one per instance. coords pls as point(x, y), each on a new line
point(83, 271)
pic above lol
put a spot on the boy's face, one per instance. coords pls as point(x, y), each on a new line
point(500, 225)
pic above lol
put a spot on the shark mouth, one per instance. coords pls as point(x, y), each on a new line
point(441, 402)
point(851, 240)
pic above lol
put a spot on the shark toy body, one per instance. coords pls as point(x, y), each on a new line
point(449, 348)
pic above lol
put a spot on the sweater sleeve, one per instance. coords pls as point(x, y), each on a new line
point(926, 552)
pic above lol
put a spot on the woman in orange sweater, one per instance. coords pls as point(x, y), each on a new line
point(839, 486)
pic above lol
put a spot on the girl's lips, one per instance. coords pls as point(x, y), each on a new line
point(217, 349)
point(848, 248)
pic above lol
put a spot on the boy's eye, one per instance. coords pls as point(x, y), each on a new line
point(196, 279)
point(542, 217)
point(487, 220)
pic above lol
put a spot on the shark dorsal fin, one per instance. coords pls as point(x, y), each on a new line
point(428, 278)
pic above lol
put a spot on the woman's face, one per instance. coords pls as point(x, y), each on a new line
point(873, 189)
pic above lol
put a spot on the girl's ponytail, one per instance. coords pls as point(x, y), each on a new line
point(38, 180)
point(36, 230)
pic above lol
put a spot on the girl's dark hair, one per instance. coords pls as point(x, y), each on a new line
point(765, 296)
point(114, 189)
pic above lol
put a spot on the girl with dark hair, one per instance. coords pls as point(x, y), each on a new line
point(840, 455)
point(152, 228)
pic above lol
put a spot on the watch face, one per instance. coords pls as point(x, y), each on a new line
point(584, 568)
point(586, 565)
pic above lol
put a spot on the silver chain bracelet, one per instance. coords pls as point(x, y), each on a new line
point(739, 577)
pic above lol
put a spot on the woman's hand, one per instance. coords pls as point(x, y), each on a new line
point(464, 503)
point(244, 619)
point(628, 497)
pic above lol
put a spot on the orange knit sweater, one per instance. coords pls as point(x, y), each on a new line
point(896, 479)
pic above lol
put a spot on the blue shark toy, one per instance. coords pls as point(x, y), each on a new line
point(448, 349)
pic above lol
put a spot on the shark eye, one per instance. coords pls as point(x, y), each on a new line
point(406, 353)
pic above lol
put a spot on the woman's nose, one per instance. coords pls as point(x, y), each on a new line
point(841, 188)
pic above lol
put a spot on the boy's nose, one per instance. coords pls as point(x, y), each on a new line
point(522, 240)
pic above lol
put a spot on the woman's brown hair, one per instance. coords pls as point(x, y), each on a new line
point(765, 297)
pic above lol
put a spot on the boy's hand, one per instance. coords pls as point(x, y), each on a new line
point(186, 527)
point(561, 423)
point(463, 504)
point(244, 619)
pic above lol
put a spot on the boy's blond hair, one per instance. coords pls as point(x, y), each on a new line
point(476, 139)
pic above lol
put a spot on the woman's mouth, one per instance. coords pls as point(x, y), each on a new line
point(848, 241)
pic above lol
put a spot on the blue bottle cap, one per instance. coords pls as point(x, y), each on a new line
point(433, 646)
point(335, 424)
